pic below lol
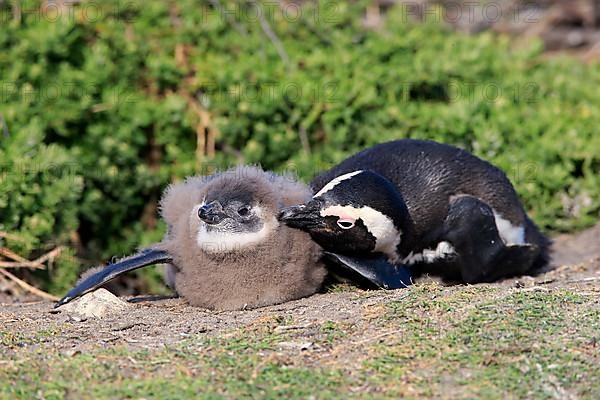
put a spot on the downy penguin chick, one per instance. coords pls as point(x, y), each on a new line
point(228, 249)
point(224, 246)
point(430, 206)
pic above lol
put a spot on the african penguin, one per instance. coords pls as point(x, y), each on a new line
point(224, 247)
point(430, 206)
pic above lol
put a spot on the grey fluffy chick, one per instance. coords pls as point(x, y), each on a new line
point(229, 251)
point(224, 247)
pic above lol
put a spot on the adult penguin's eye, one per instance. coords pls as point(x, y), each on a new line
point(345, 224)
point(243, 211)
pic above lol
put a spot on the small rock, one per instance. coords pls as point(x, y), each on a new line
point(524, 282)
point(77, 318)
point(96, 304)
point(295, 345)
point(283, 328)
point(71, 352)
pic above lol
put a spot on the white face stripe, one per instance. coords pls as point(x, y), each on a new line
point(387, 236)
point(336, 181)
point(509, 233)
point(224, 242)
point(219, 242)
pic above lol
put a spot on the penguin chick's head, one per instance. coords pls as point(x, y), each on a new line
point(228, 212)
point(231, 221)
point(355, 213)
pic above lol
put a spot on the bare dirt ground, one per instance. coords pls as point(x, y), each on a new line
point(155, 321)
point(343, 330)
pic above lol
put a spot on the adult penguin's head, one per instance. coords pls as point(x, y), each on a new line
point(355, 213)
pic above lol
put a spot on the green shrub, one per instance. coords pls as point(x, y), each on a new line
point(39, 200)
point(102, 93)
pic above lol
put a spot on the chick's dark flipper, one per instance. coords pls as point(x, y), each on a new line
point(144, 258)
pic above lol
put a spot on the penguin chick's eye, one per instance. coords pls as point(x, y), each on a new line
point(243, 211)
point(345, 223)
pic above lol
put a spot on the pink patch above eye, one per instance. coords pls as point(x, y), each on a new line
point(344, 216)
point(343, 213)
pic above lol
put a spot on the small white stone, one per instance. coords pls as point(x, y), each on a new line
point(295, 345)
point(96, 304)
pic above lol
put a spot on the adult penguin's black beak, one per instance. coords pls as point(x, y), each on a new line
point(306, 217)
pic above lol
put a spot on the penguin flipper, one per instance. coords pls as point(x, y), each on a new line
point(376, 269)
point(484, 257)
point(144, 258)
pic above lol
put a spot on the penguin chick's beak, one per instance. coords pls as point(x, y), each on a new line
point(212, 213)
point(305, 217)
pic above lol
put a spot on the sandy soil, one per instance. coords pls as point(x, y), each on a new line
point(151, 322)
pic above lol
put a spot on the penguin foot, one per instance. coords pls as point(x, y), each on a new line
point(483, 257)
point(513, 258)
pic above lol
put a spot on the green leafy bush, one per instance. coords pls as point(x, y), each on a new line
point(104, 90)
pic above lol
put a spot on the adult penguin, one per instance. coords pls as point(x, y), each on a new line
point(419, 204)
